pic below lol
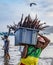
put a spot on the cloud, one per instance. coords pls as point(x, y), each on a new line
point(11, 10)
point(49, 14)
point(48, 30)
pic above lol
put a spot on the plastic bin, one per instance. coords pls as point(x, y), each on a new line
point(25, 36)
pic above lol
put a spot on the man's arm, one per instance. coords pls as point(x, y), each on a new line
point(46, 41)
point(24, 53)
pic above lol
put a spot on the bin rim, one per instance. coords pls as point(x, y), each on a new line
point(27, 29)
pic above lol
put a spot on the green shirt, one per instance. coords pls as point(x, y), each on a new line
point(35, 52)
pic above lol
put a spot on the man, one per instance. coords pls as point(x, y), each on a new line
point(31, 53)
point(6, 46)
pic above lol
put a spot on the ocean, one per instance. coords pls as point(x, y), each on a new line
point(46, 57)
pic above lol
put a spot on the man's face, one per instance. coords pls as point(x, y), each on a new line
point(39, 44)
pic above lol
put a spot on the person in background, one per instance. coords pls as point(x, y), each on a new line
point(6, 46)
point(31, 53)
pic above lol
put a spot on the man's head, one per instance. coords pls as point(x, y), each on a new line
point(40, 39)
point(40, 42)
point(5, 36)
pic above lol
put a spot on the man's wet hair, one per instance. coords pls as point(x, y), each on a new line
point(5, 36)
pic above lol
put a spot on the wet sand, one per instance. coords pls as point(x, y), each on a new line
point(15, 55)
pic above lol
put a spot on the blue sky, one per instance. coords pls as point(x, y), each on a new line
point(11, 11)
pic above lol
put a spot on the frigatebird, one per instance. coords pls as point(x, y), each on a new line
point(32, 4)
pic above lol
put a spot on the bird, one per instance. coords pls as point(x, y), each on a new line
point(32, 4)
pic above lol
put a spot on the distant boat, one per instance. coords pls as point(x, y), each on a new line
point(6, 33)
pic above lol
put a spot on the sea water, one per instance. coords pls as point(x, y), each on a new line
point(46, 57)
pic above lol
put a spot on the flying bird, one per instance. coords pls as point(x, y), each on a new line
point(32, 4)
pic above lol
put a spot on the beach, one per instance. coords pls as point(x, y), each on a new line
point(46, 57)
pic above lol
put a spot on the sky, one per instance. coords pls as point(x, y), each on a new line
point(12, 10)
